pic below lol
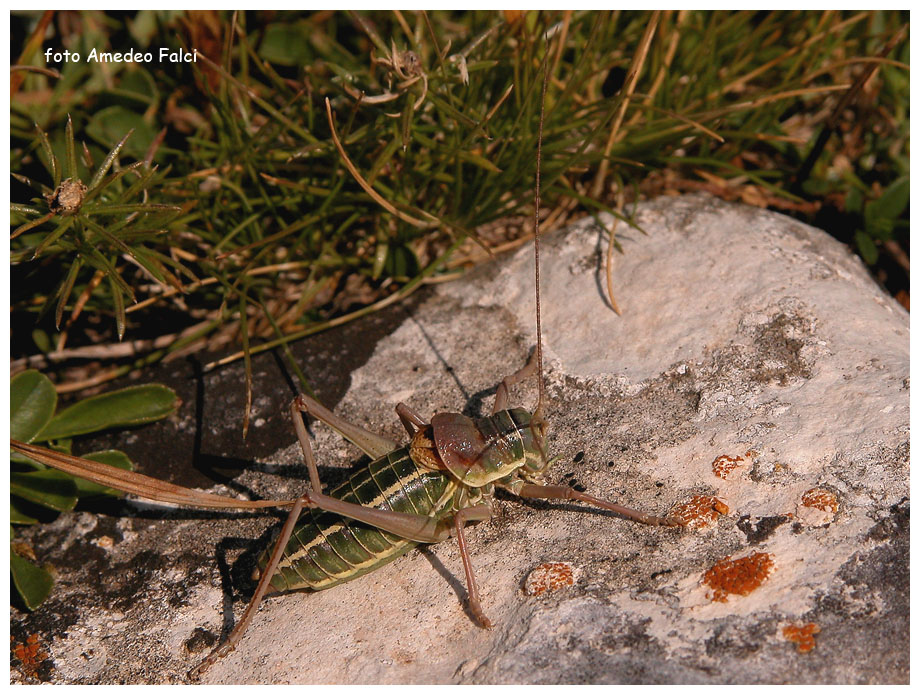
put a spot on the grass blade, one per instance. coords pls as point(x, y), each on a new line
point(70, 163)
point(49, 155)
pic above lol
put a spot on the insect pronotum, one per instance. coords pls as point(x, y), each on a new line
point(422, 492)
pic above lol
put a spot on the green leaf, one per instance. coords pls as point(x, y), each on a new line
point(896, 198)
point(133, 207)
point(109, 160)
point(63, 226)
point(138, 85)
point(22, 212)
point(286, 43)
point(816, 187)
point(150, 264)
point(136, 167)
point(32, 403)
point(134, 405)
point(110, 125)
point(878, 227)
point(380, 257)
point(42, 341)
point(867, 247)
point(52, 162)
point(854, 201)
point(111, 457)
point(143, 26)
point(33, 583)
point(478, 160)
point(401, 261)
point(18, 515)
point(70, 151)
point(101, 262)
point(892, 202)
point(53, 489)
point(118, 306)
point(64, 292)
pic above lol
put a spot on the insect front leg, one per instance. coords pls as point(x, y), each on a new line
point(564, 492)
point(372, 444)
point(413, 527)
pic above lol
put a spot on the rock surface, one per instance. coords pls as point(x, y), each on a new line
point(756, 368)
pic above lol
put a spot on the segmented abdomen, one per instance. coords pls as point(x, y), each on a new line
point(327, 549)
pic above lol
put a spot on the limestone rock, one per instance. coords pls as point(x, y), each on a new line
point(755, 363)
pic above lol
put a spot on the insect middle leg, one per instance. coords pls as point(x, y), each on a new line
point(480, 512)
point(409, 418)
point(502, 399)
point(423, 529)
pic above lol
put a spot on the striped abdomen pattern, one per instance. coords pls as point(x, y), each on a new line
point(327, 549)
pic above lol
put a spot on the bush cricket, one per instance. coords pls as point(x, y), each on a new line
point(422, 492)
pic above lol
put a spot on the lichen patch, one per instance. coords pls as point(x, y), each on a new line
point(818, 506)
point(32, 655)
point(699, 511)
point(802, 635)
point(739, 577)
point(822, 499)
point(549, 577)
point(104, 542)
point(724, 465)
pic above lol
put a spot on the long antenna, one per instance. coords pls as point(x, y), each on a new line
point(536, 235)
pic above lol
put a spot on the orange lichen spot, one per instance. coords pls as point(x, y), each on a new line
point(819, 498)
point(550, 576)
point(30, 654)
point(802, 635)
point(739, 576)
point(817, 507)
point(725, 464)
point(700, 511)
point(104, 542)
point(751, 453)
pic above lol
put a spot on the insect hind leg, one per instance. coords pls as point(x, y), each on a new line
point(264, 582)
